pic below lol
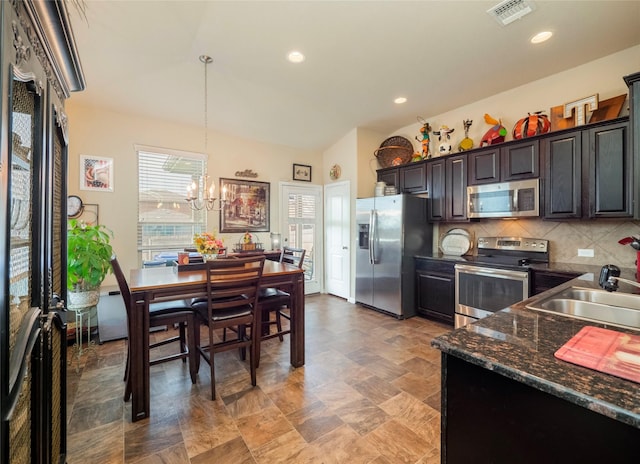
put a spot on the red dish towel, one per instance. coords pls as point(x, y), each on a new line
point(604, 350)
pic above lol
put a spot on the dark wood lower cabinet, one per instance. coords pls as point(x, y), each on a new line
point(489, 418)
point(435, 286)
point(546, 280)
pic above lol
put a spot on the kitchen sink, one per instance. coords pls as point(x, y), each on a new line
point(619, 309)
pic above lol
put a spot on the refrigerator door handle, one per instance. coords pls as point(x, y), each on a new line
point(372, 235)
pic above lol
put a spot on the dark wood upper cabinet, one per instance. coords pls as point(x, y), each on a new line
point(588, 172)
point(391, 176)
point(633, 82)
point(447, 186)
point(500, 163)
point(484, 166)
point(413, 178)
point(408, 178)
point(608, 172)
point(456, 188)
point(520, 161)
point(562, 155)
point(436, 185)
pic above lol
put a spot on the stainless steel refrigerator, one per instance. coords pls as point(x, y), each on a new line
point(391, 230)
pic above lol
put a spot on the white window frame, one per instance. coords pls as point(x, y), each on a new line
point(195, 221)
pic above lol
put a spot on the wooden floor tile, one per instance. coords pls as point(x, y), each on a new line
point(369, 392)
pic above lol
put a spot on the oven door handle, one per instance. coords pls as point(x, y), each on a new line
point(492, 272)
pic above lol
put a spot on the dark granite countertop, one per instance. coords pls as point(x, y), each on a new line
point(519, 343)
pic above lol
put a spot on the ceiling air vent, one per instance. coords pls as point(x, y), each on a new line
point(508, 11)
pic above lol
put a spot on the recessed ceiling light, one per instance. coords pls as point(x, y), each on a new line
point(295, 57)
point(541, 37)
point(400, 100)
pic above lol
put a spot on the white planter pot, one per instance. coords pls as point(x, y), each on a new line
point(89, 298)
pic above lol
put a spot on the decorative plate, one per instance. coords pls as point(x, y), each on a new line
point(456, 242)
point(335, 172)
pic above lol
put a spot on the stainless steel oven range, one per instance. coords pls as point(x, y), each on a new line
point(497, 277)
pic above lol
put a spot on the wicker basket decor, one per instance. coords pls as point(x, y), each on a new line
point(394, 151)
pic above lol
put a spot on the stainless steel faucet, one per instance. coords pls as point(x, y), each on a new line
point(610, 276)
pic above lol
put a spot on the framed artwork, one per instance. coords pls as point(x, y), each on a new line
point(96, 173)
point(246, 206)
point(302, 172)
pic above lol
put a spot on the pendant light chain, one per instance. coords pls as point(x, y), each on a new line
point(208, 200)
point(206, 60)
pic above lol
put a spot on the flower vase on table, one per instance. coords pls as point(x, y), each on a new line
point(208, 245)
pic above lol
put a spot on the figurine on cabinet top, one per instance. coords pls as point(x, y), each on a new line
point(496, 134)
point(424, 138)
point(444, 137)
point(466, 143)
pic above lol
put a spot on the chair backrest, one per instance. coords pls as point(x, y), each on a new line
point(233, 282)
point(293, 256)
point(122, 282)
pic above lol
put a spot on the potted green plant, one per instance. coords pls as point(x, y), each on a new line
point(89, 254)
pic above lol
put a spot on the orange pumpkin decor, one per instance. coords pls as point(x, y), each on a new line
point(534, 124)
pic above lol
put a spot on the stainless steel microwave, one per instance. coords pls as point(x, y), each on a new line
point(505, 199)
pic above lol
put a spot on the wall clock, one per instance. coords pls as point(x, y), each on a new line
point(74, 206)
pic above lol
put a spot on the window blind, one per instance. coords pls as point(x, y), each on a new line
point(165, 220)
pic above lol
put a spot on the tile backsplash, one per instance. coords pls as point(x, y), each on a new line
point(565, 238)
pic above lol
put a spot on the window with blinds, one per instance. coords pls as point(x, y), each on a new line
point(165, 220)
point(301, 227)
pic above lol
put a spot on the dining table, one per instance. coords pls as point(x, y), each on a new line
point(155, 284)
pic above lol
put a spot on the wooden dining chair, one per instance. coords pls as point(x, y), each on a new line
point(276, 301)
point(232, 291)
point(165, 313)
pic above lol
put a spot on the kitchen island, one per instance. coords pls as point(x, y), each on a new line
point(506, 398)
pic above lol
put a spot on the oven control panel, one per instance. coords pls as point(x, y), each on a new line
point(514, 243)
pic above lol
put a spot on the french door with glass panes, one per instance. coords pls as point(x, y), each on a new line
point(301, 225)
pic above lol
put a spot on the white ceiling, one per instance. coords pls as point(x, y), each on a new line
point(142, 57)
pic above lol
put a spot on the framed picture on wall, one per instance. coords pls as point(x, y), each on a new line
point(246, 206)
point(302, 172)
point(96, 173)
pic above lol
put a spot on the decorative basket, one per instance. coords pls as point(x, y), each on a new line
point(394, 151)
point(248, 247)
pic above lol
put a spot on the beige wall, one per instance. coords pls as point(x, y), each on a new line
point(603, 76)
point(99, 132)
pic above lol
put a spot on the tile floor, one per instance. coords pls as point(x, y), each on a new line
point(368, 393)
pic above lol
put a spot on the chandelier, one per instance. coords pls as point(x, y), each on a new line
point(207, 201)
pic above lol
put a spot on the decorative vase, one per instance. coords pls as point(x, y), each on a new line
point(209, 256)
